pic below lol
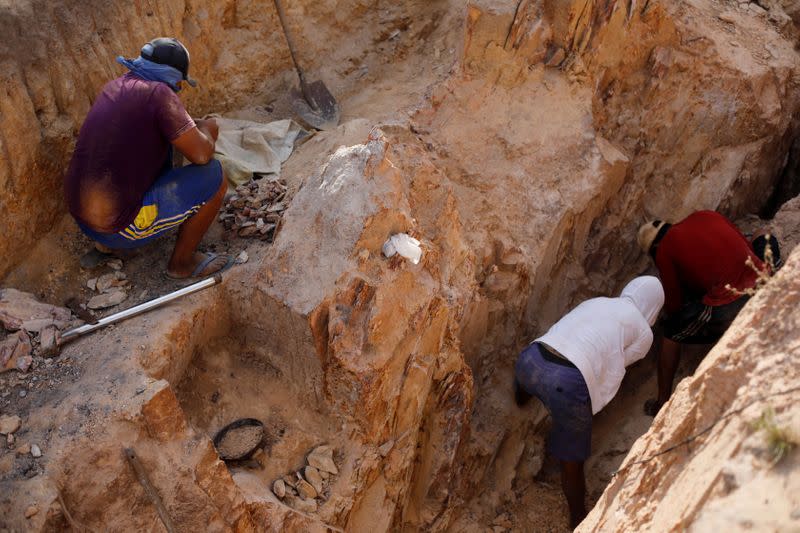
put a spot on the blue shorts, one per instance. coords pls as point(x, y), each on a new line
point(563, 392)
point(175, 196)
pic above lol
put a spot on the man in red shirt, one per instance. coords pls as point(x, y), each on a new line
point(121, 187)
point(706, 266)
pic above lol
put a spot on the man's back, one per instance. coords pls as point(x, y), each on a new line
point(699, 256)
point(122, 147)
point(604, 335)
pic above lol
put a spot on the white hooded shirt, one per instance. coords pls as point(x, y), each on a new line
point(604, 335)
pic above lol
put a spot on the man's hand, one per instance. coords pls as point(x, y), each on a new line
point(208, 126)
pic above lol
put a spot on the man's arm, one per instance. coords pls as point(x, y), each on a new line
point(638, 348)
point(197, 144)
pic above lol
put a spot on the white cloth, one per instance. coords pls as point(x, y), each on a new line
point(604, 335)
point(245, 147)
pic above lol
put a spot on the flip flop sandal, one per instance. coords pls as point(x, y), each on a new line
point(196, 276)
point(95, 258)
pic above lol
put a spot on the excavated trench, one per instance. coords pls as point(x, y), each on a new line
point(521, 142)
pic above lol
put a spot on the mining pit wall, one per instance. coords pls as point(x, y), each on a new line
point(554, 131)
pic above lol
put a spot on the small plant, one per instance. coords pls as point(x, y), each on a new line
point(763, 275)
point(779, 442)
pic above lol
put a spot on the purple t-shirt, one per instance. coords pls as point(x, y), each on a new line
point(121, 149)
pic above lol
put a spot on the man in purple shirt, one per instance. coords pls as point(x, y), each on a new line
point(121, 187)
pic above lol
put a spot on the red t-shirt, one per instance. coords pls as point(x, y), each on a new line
point(698, 256)
point(121, 150)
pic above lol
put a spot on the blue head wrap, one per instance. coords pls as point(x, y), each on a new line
point(148, 70)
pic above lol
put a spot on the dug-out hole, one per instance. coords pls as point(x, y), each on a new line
point(230, 379)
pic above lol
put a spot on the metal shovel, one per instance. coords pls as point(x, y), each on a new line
point(313, 102)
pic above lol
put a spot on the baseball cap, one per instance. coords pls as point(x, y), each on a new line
point(169, 51)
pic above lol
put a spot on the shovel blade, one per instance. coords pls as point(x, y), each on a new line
point(322, 112)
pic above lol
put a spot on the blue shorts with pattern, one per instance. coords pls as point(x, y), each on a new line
point(176, 195)
point(563, 392)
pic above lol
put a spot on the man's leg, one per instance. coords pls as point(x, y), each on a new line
point(573, 483)
point(185, 258)
point(668, 358)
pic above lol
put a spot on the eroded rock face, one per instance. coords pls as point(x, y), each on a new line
point(720, 475)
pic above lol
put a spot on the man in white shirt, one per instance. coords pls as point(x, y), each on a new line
point(576, 368)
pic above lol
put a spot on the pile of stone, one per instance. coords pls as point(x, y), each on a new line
point(306, 489)
point(28, 327)
point(256, 209)
point(110, 287)
point(9, 425)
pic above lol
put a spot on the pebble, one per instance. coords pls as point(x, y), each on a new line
point(321, 458)
point(48, 341)
point(115, 264)
point(92, 284)
point(9, 424)
point(31, 511)
point(109, 299)
point(279, 488)
point(10, 440)
point(36, 451)
point(312, 476)
point(23, 393)
point(305, 505)
point(305, 489)
point(242, 258)
point(386, 447)
point(557, 58)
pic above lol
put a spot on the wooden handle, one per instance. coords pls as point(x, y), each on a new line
point(284, 25)
point(144, 480)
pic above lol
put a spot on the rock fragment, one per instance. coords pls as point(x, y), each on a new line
point(556, 58)
point(242, 258)
point(312, 476)
point(92, 284)
point(112, 279)
point(36, 451)
point(386, 447)
point(305, 505)
point(15, 352)
point(31, 511)
point(321, 458)
point(9, 424)
point(108, 299)
point(305, 489)
point(279, 488)
point(17, 307)
point(48, 341)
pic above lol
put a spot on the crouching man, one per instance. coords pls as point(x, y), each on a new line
point(707, 267)
point(121, 187)
point(576, 368)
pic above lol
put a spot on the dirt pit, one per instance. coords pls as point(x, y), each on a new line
point(229, 380)
point(521, 142)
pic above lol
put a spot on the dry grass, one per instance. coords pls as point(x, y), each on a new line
point(763, 274)
point(779, 440)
